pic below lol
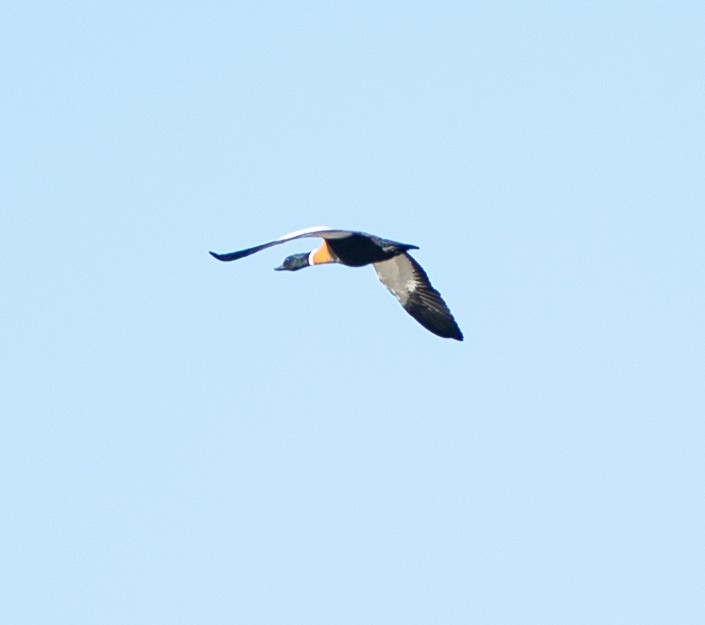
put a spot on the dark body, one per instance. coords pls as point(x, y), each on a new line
point(359, 250)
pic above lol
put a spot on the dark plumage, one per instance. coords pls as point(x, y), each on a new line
point(398, 271)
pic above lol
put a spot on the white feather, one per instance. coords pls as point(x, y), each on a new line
point(298, 233)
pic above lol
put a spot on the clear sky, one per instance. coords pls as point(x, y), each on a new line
point(187, 441)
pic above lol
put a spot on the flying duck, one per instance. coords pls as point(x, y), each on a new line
point(398, 271)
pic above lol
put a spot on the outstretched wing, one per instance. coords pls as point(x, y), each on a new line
point(322, 232)
point(407, 280)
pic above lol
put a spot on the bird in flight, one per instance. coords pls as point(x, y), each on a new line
point(396, 270)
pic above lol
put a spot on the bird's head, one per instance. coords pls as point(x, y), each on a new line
point(294, 262)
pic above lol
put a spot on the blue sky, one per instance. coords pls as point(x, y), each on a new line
point(186, 441)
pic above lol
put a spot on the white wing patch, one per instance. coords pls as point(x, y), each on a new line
point(298, 233)
point(324, 232)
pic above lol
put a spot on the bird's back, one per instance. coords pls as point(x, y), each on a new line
point(361, 249)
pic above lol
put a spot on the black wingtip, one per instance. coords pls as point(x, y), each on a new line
point(448, 333)
point(216, 256)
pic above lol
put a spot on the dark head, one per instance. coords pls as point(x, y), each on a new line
point(294, 262)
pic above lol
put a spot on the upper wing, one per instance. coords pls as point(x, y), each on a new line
point(406, 279)
point(323, 232)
